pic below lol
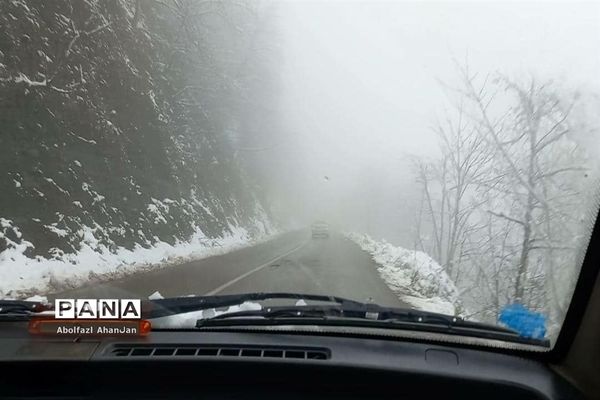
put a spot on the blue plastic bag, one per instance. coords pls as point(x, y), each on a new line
point(529, 324)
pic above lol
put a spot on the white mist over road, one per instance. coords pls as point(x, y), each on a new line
point(361, 90)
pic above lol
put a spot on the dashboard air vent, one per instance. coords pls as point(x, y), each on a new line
point(181, 351)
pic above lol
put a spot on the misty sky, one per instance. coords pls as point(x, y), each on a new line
point(361, 90)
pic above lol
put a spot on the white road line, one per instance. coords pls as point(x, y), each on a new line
point(245, 275)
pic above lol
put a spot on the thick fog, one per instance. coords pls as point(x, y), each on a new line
point(362, 83)
point(142, 133)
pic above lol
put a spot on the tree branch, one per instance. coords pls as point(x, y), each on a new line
point(502, 215)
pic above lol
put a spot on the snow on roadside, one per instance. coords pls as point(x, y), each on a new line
point(413, 275)
point(22, 276)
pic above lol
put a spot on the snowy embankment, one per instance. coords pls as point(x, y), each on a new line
point(22, 276)
point(414, 276)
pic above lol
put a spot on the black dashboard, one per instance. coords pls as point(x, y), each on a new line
point(228, 365)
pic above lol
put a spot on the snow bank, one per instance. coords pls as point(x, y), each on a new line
point(417, 279)
point(22, 276)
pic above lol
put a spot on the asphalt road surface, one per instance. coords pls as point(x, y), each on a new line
point(292, 262)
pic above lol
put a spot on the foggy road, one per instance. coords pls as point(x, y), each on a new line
point(292, 262)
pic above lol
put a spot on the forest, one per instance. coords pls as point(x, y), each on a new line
point(505, 208)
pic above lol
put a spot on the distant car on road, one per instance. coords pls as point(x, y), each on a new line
point(320, 229)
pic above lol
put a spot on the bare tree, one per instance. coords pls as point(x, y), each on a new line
point(448, 185)
point(526, 140)
point(503, 201)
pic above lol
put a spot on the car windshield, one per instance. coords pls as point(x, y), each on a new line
point(431, 156)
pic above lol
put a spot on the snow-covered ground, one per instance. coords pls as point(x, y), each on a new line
point(413, 275)
point(22, 276)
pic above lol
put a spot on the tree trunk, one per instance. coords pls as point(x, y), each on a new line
point(524, 257)
point(533, 120)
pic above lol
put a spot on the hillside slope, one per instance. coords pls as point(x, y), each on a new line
point(116, 129)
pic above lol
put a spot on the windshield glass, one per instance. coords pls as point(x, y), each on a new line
point(435, 156)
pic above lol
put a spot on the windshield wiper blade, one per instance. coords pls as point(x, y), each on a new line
point(356, 310)
point(343, 308)
point(342, 312)
point(177, 305)
point(369, 316)
point(21, 309)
